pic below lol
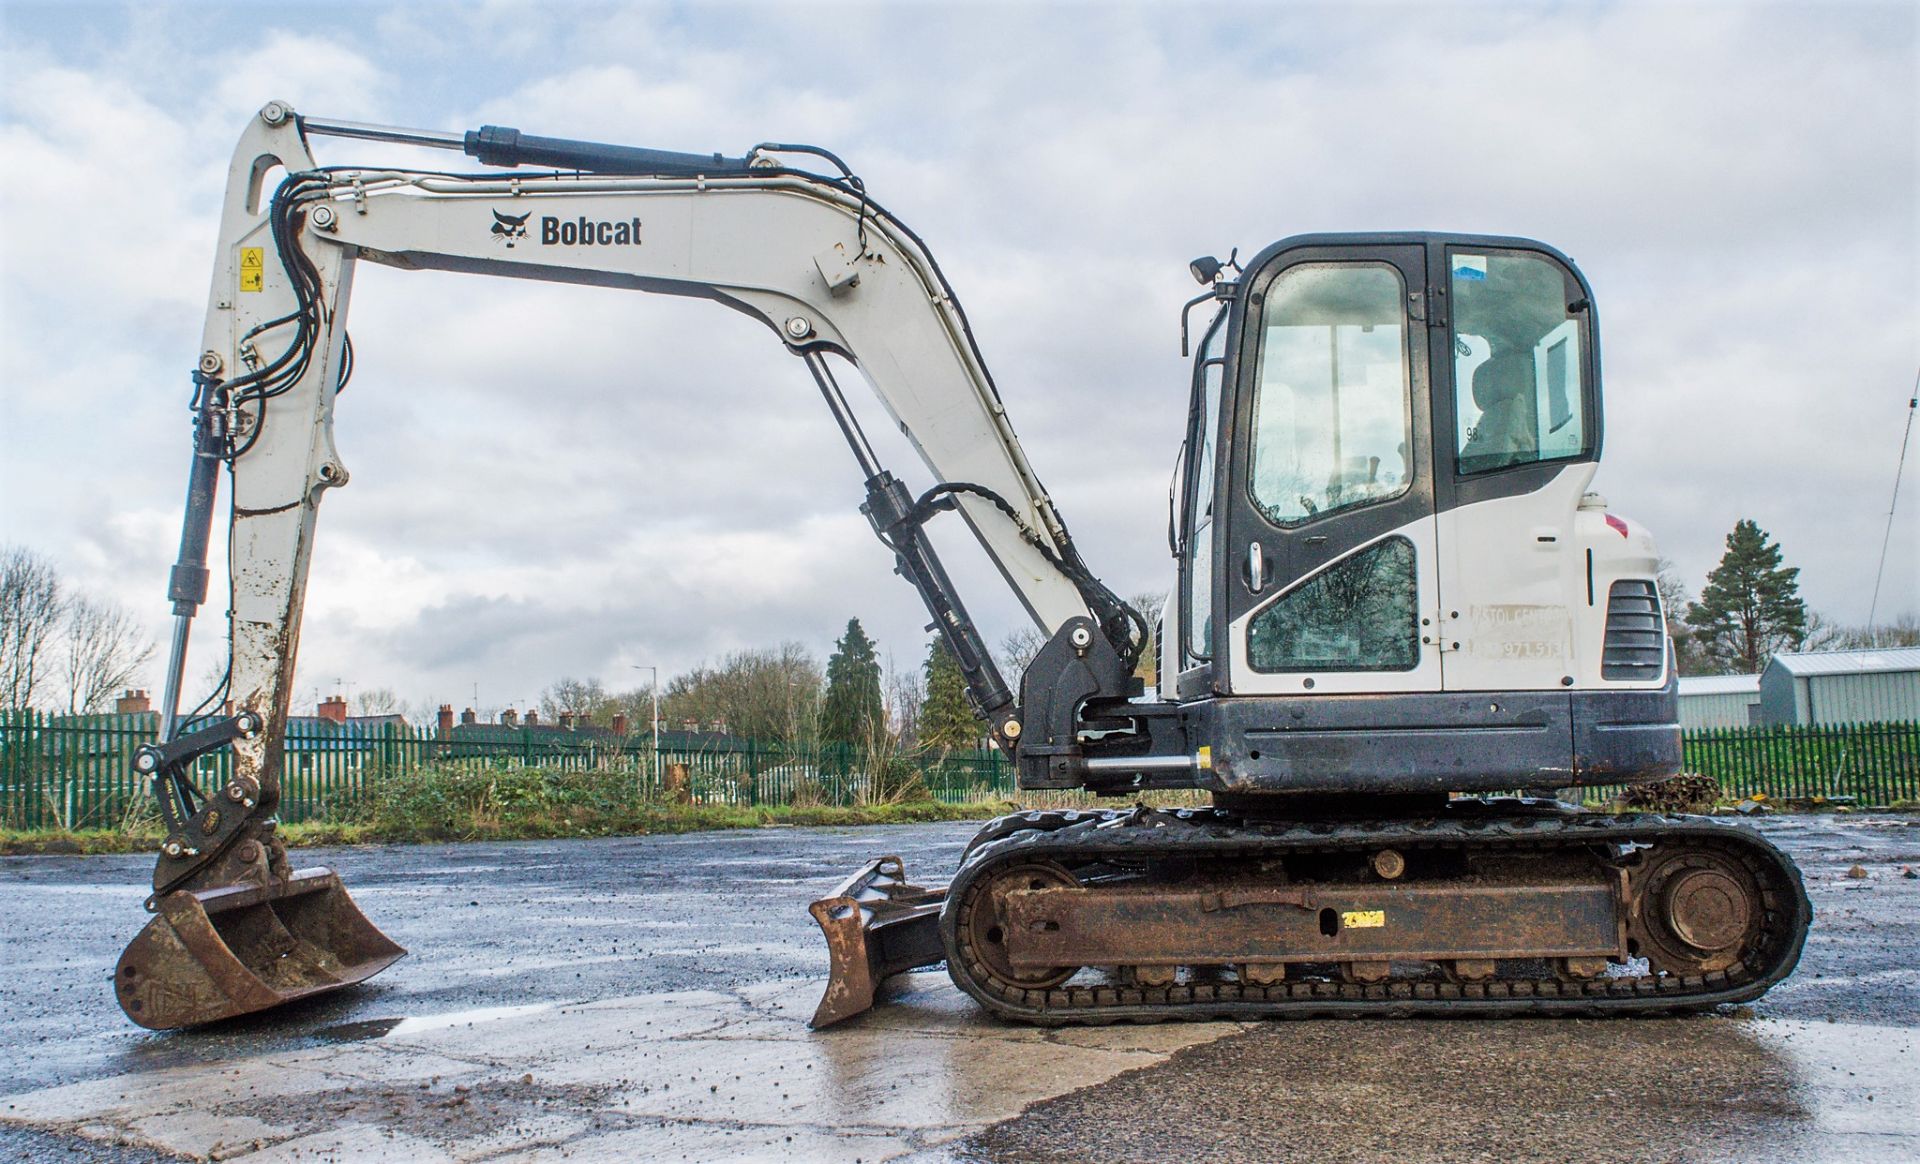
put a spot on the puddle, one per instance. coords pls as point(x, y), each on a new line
point(467, 1018)
point(357, 1032)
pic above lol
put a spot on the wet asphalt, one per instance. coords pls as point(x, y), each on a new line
point(510, 924)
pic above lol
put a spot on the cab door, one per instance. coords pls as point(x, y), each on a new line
point(1327, 579)
point(1517, 440)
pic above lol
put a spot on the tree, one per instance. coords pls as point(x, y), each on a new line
point(906, 691)
point(31, 605)
point(378, 701)
point(853, 712)
point(1901, 631)
point(1751, 606)
point(946, 716)
point(767, 694)
point(105, 649)
point(587, 697)
point(1017, 651)
point(1149, 604)
point(1675, 600)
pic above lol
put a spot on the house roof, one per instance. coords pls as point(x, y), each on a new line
point(1719, 684)
point(1873, 660)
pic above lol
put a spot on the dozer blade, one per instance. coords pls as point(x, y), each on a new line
point(215, 953)
point(876, 926)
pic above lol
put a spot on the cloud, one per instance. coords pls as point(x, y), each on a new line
point(557, 480)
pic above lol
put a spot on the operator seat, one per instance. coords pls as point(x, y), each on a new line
point(1503, 390)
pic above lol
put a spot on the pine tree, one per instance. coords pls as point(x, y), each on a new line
point(853, 713)
point(1751, 605)
point(946, 717)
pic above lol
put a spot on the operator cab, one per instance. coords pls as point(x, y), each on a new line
point(1385, 494)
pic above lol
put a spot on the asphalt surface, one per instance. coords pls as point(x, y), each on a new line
point(1818, 1069)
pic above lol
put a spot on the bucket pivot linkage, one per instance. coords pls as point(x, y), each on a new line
point(235, 928)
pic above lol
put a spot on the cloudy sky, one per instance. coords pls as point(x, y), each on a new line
point(555, 481)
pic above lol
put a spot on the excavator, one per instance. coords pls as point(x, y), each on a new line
point(1395, 602)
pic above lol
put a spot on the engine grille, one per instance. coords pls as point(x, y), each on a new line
point(1636, 637)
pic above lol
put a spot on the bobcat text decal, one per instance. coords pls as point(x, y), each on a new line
point(585, 232)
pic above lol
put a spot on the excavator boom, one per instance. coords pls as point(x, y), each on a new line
point(810, 255)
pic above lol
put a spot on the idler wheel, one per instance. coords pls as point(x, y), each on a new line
point(1694, 911)
point(984, 930)
point(1707, 910)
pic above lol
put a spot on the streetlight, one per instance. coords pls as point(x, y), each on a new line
point(654, 689)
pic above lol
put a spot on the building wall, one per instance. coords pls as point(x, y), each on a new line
point(1863, 698)
point(1720, 709)
point(1857, 697)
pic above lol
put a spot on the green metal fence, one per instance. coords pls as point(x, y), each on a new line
point(1877, 763)
point(77, 771)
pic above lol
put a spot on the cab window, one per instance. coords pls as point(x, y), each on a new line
point(1200, 490)
point(1519, 362)
point(1332, 415)
point(1356, 615)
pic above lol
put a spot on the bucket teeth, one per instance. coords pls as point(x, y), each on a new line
point(212, 954)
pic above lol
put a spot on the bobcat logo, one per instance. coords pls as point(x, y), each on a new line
point(506, 228)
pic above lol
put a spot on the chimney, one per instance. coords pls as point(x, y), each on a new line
point(446, 718)
point(620, 724)
point(719, 727)
point(690, 726)
point(509, 718)
point(334, 709)
point(566, 721)
point(533, 718)
point(469, 717)
point(132, 702)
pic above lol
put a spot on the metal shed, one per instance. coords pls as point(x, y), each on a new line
point(1878, 685)
point(1719, 701)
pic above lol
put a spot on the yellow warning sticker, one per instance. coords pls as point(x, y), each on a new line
point(253, 268)
point(1363, 919)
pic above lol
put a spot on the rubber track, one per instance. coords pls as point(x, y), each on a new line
point(1074, 839)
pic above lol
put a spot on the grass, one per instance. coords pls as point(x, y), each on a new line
point(521, 805)
point(515, 803)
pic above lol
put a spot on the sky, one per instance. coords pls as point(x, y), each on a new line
point(555, 481)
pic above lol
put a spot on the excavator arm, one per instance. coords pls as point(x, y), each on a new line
point(807, 254)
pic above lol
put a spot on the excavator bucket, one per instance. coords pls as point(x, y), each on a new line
point(876, 925)
point(216, 953)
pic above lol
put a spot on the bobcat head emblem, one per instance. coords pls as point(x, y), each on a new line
point(506, 228)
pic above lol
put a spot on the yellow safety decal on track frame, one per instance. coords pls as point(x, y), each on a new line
point(1363, 919)
point(253, 268)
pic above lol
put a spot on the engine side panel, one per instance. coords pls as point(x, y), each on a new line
point(1436, 742)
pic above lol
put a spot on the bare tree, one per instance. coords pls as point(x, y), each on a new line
point(587, 697)
point(31, 605)
point(1017, 650)
point(1900, 631)
point(769, 694)
point(1148, 603)
point(378, 701)
point(105, 649)
point(1824, 635)
point(1675, 600)
point(905, 690)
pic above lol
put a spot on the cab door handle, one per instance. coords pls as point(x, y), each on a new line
point(1257, 574)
